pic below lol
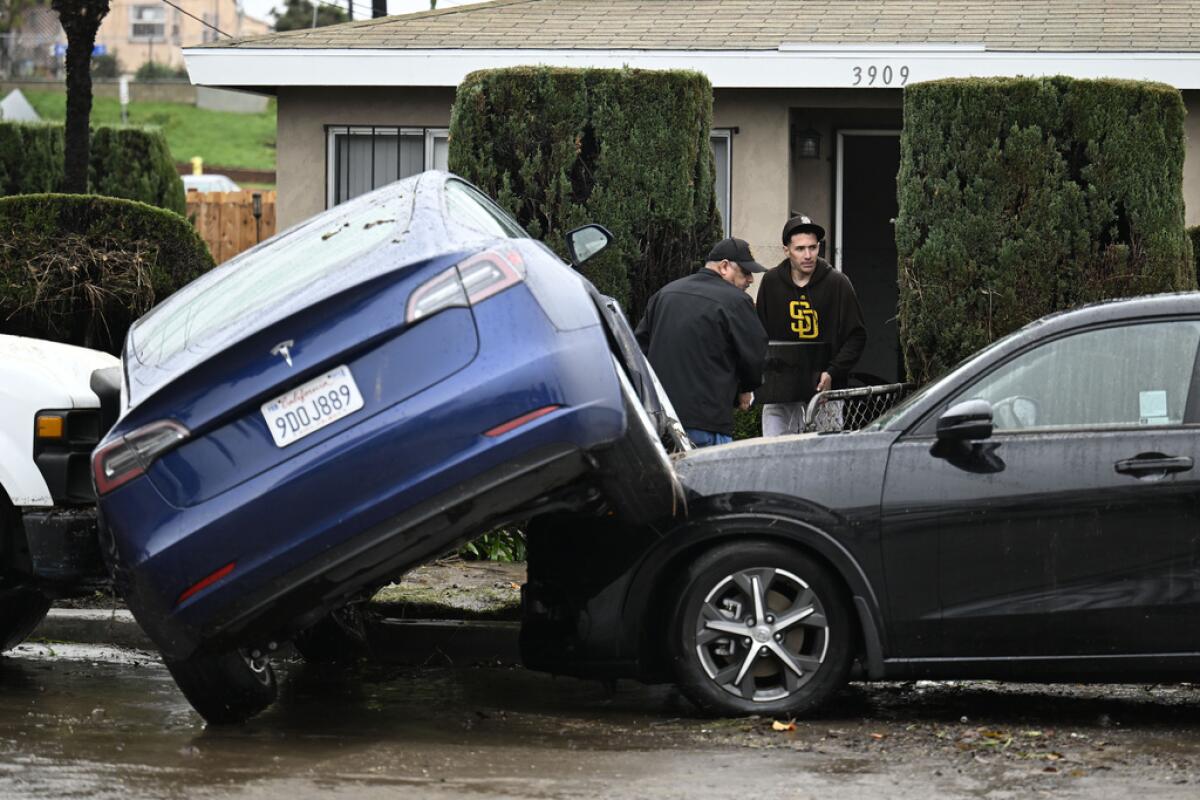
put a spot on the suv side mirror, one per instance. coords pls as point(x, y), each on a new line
point(585, 242)
point(965, 421)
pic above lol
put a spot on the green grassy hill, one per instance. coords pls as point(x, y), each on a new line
point(221, 138)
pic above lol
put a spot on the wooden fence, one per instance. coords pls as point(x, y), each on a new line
point(226, 221)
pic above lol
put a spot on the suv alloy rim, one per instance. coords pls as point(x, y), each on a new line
point(761, 634)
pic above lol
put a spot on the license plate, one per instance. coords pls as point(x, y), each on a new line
point(311, 406)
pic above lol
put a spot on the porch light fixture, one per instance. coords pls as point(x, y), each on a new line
point(806, 143)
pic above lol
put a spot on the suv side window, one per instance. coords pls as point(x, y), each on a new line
point(468, 207)
point(1126, 376)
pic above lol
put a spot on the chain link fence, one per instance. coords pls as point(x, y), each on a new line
point(25, 55)
point(852, 409)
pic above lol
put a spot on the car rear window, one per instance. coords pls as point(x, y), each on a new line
point(466, 206)
point(264, 277)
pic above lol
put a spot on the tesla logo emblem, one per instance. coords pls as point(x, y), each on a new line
point(804, 319)
point(284, 349)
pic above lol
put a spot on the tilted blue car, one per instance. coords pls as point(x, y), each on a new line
point(351, 398)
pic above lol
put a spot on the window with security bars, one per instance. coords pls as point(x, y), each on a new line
point(362, 158)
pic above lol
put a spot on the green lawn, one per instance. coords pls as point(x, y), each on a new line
point(222, 139)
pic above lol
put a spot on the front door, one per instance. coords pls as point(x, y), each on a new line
point(865, 246)
point(1075, 528)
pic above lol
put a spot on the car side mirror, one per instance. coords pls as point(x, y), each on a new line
point(585, 242)
point(966, 421)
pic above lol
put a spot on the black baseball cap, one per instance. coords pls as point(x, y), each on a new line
point(738, 251)
point(802, 224)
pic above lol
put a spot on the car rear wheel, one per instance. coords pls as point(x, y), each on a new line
point(759, 628)
point(340, 635)
point(636, 472)
point(225, 688)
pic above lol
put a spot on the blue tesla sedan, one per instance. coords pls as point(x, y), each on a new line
point(349, 399)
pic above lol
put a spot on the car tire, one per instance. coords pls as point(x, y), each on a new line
point(729, 667)
point(225, 688)
point(339, 636)
point(636, 473)
point(21, 607)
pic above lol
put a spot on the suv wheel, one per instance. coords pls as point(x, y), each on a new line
point(225, 688)
point(759, 628)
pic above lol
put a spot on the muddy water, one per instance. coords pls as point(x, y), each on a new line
point(92, 722)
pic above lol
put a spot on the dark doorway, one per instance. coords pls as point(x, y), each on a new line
point(865, 250)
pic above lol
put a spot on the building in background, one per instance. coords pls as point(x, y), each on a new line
point(140, 31)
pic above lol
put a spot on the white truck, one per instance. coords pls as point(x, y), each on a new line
point(56, 402)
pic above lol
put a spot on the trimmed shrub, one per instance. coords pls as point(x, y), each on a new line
point(1194, 235)
point(628, 149)
point(1019, 197)
point(31, 157)
point(81, 268)
point(133, 163)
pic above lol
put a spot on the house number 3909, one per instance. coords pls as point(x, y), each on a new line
point(873, 75)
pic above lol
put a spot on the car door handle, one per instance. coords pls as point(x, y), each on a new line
point(1144, 465)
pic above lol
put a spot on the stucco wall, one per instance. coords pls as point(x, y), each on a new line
point(759, 167)
point(303, 114)
point(766, 184)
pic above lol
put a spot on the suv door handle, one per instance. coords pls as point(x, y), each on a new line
point(1144, 465)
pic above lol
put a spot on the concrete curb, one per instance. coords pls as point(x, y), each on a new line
point(115, 627)
point(417, 642)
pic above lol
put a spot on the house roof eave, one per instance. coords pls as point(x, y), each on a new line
point(788, 67)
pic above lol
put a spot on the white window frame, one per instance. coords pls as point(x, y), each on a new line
point(431, 137)
point(332, 132)
point(727, 135)
point(159, 13)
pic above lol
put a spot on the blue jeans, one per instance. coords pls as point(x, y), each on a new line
point(706, 438)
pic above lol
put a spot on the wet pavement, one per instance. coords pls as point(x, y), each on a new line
point(97, 722)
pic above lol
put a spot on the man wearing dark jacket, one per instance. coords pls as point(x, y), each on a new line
point(705, 342)
point(805, 300)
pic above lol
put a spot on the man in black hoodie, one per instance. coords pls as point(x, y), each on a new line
point(705, 342)
point(804, 299)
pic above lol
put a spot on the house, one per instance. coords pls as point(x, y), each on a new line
point(807, 95)
point(139, 31)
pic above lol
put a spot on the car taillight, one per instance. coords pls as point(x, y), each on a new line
point(123, 460)
point(472, 281)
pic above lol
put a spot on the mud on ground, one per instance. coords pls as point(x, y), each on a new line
point(449, 588)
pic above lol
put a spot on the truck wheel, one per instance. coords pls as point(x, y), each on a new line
point(636, 473)
point(21, 608)
point(759, 628)
point(225, 688)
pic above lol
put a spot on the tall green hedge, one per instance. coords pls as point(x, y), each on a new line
point(133, 163)
point(1019, 197)
point(31, 157)
point(81, 268)
point(628, 149)
point(1194, 235)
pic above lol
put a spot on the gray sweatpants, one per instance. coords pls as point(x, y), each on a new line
point(779, 419)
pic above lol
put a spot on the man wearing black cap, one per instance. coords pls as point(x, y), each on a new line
point(704, 340)
point(805, 300)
